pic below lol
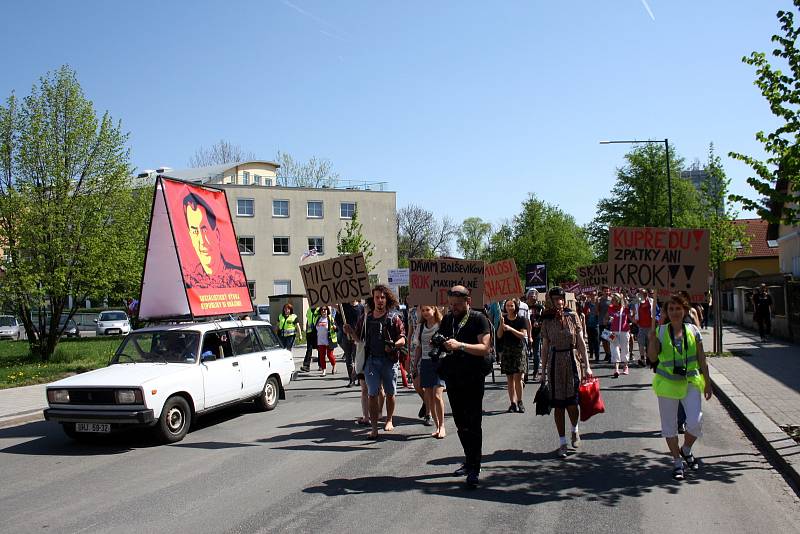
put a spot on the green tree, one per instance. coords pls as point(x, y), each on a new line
point(70, 223)
point(777, 179)
point(542, 233)
point(639, 196)
point(473, 237)
point(351, 240)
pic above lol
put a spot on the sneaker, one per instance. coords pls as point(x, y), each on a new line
point(677, 473)
point(512, 408)
point(472, 478)
point(520, 407)
point(427, 421)
point(625, 371)
point(422, 411)
point(304, 369)
point(576, 440)
point(562, 452)
point(682, 428)
point(323, 372)
point(461, 471)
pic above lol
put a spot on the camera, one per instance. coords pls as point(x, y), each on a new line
point(679, 370)
point(437, 342)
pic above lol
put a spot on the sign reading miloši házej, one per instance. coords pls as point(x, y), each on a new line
point(501, 281)
point(595, 275)
point(430, 279)
point(536, 276)
point(336, 281)
point(667, 259)
point(192, 266)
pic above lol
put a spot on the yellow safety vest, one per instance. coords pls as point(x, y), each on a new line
point(286, 325)
point(668, 384)
point(312, 314)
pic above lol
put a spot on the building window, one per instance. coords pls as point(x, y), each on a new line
point(282, 287)
point(267, 181)
point(256, 180)
point(245, 178)
point(280, 208)
point(251, 288)
point(245, 207)
point(280, 245)
point(346, 210)
point(315, 209)
point(247, 245)
point(318, 244)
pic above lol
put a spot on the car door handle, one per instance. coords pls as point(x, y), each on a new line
point(235, 364)
point(263, 357)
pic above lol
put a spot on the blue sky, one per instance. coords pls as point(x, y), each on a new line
point(463, 107)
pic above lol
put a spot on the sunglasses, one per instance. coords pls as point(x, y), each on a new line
point(462, 294)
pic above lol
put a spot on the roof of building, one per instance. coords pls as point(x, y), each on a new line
point(206, 173)
point(760, 247)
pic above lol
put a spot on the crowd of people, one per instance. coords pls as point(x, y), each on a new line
point(436, 350)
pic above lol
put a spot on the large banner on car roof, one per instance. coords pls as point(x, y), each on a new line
point(192, 267)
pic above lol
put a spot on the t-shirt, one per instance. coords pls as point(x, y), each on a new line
point(427, 334)
point(535, 315)
point(590, 311)
point(602, 309)
point(322, 331)
point(523, 311)
point(476, 326)
point(644, 316)
point(762, 303)
point(517, 323)
point(377, 334)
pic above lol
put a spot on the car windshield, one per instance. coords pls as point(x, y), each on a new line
point(159, 346)
point(113, 316)
point(8, 321)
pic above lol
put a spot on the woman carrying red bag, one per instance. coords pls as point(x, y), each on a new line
point(564, 365)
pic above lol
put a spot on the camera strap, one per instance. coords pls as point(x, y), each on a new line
point(685, 343)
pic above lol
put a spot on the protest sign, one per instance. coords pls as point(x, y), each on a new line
point(593, 275)
point(398, 277)
point(536, 276)
point(430, 280)
point(335, 281)
point(668, 259)
point(501, 281)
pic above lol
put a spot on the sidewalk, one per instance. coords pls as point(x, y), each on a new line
point(761, 383)
point(19, 405)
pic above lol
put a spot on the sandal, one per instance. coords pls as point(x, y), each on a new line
point(691, 462)
point(677, 473)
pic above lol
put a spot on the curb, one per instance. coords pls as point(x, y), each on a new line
point(766, 432)
point(22, 418)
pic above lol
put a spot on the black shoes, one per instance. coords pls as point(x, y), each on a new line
point(461, 471)
point(520, 407)
point(422, 411)
point(682, 428)
point(472, 478)
point(512, 408)
point(428, 420)
point(304, 369)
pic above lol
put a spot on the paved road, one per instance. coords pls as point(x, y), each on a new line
point(306, 468)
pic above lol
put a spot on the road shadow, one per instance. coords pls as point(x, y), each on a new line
point(604, 479)
point(50, 440)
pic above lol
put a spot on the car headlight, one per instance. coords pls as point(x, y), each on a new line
point(60, 396)
point(129, 396)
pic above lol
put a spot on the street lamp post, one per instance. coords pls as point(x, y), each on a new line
point(669, 177)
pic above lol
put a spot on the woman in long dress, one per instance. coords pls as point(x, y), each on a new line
point(564, 365)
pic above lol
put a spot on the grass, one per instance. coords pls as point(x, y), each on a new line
point(19, 368)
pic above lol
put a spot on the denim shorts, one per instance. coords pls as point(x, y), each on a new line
point(378, 370)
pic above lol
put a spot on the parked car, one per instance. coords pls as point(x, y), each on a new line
point(9, 327)
point(262, 312)
point(164, 377)
point(70, 330)
point(111, 323)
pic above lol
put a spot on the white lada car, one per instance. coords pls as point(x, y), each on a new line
point(166, 376)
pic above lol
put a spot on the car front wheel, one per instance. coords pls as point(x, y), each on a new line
point(268, 399)
point(175, 420)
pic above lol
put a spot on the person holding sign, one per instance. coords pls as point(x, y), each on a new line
point(564, 364)
point(681, 379)
point(384, 336)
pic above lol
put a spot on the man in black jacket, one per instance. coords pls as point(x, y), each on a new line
point(468, 344)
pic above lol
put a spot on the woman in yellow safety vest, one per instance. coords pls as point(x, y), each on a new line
point(676, 351)
point(288, 323)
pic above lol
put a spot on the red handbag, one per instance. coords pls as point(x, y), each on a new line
point(589, 398)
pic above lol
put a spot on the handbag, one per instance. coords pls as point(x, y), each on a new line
point(542, 399)
point(361, 350)
point(589, 398)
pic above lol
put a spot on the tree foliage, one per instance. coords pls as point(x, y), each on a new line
point(777, 179)
point(473, 238)
point(542, 232)
point(421, 235)
point(70, 223)
point(351, 240)
point(639, 196)
point(313, 173)
point(219, 153)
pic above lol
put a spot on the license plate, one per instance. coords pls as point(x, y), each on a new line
point(113, 331)
point(93, 427)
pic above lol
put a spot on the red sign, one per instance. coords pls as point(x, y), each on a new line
point(200, 255)
point(501, 281)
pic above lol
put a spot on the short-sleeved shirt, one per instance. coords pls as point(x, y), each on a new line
point(425, 335)
point(476, 326)
point(322, 331)
point(602, 310)
point(517, 323)
point(388, 327)
point(524, 311)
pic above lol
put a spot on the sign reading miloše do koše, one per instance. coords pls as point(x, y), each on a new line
point(336, 281)
point(430, 279)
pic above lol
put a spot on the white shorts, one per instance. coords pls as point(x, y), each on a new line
point(668, 409)
point(620, 348)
